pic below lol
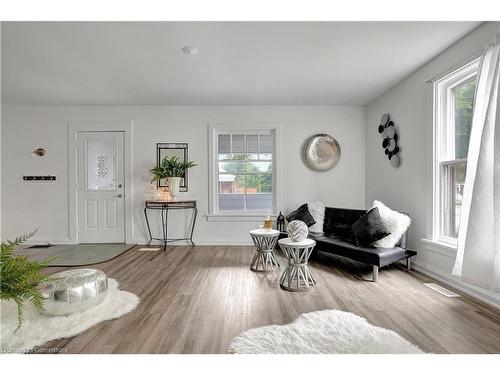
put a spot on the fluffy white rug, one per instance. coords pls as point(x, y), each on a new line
point(322, 332)
point(38, 329)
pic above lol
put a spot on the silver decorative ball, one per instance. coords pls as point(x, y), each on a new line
point(74, 291)
point(297, 230)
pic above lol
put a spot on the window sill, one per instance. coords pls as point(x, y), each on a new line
point(238, 217)
point(440, 247)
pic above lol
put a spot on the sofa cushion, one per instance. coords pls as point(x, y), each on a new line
point(317, 211)
point(396, 222)
point(302, 214)
point(369, 228)
point(339, 221)
point(370, 255)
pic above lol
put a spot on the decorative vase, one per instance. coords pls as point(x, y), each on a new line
point(268, 222)
point(297, 230)
point(174, 184)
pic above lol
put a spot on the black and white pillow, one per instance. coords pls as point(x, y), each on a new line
point(396, 222)
point(302, 214)
point(370, 228)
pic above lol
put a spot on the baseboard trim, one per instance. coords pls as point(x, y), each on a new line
point(52, 241)
point(204, 243)
point(481, 294)
point(224, 243)
point(66, 241)
point(61, 241)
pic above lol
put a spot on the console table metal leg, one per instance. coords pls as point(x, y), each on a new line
point(163, 225)
point(166, 229)
point(195, 213)
point(164, 207)
point(149, 228)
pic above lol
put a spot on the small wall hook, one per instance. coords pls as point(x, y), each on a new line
point(39, 151)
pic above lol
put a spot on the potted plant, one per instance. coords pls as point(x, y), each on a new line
point(173, 170)
point(20, 277)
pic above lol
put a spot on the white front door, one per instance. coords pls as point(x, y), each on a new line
point(100, 190)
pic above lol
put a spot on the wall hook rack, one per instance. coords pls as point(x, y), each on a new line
point(39, 178)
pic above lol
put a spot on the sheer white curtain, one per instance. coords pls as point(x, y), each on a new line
point(478, 256)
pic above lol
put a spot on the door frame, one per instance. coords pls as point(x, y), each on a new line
point(73, 130)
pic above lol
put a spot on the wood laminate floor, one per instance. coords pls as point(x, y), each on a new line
point(195, 300)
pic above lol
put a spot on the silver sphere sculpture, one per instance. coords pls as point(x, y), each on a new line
point(297, 230)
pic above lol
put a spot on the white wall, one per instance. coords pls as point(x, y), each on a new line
point(0, 135)
point(409, 187)
point(27, 205)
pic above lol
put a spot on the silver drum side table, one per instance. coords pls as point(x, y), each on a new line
point(264, 259)
point(297, 277)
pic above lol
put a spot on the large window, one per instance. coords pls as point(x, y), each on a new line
point(244, 169)
point(453, 108)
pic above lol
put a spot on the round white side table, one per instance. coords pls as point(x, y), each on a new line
point(264, 259)
point(297, 277)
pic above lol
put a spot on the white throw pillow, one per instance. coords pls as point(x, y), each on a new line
point(317, 211)
point(395, 221)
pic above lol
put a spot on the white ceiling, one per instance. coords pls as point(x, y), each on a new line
point(79, 63)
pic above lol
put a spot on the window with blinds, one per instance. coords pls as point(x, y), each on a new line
point(244, 169)
point(454, 102)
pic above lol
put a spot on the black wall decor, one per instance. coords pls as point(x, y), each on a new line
point(280, 222)
point(390, 139)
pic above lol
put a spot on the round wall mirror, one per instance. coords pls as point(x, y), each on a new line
point(384, 119)
point(390, 131)
point(321, 152)
point(392, 145)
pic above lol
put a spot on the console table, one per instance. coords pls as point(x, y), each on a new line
point(164, 207)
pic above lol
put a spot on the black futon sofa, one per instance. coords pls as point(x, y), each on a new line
point(338, 239)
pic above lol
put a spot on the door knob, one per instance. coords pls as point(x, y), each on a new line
point(119, 195)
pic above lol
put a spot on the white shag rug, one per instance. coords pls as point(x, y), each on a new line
point(38, 329)
point(322, 332)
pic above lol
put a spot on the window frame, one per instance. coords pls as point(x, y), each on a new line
point(214, 129)
point(444, 148)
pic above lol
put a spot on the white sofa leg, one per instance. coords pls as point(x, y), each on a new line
point(375, 274)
